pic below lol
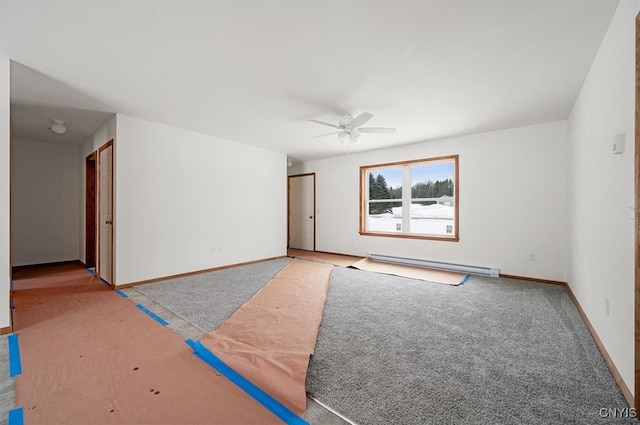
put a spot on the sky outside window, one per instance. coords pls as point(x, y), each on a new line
point(393, 176)
point(432, 172)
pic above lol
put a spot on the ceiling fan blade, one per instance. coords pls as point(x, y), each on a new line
point(325, 123)
point(326, 134)
point(380, 130)
point(361, 119)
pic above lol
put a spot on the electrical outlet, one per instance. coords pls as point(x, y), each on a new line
point(532, 257)
point(606, 307)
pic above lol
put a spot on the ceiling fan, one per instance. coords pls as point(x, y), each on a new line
point(349, 128)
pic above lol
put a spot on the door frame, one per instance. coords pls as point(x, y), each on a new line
point(289, 206)
point(637, 242)
point(100, 149)
point(91, 219)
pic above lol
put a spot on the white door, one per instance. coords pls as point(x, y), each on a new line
point(105, 212)
point(302, 212)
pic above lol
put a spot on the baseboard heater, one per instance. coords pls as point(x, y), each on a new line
point(438, 265)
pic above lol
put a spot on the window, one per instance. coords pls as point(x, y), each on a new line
point(411, 199)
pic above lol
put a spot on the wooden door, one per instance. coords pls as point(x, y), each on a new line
point(105, 212)
point(302, 212)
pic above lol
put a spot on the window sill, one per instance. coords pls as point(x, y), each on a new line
point(411, 236)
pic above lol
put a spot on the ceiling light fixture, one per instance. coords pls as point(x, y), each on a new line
point(58, 127)
point(349, 136)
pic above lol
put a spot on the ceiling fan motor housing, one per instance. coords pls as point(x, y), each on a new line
point(346, 121)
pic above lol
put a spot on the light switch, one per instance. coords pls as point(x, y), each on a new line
point(618, 143)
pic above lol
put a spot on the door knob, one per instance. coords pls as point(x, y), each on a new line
point(310, 216)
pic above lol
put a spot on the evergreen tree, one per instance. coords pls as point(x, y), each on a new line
point(431, 189)
point(383, 190)
point(395, 193)
point(372, 186)
point(378, 189)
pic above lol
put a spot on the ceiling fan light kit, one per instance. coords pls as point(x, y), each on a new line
point(349, 128)
point(58, 127)
point(351, 137)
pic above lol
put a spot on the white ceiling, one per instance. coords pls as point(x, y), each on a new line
point(33, 122)
point(256, 71)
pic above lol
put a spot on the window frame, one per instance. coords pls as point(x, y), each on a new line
point(364, 201)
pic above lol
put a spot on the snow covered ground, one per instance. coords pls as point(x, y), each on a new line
point(427, 211)
point(425, 219)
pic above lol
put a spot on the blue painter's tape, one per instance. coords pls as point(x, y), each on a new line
point(92, 271)
point(464, 280)
point(12, 304)
point(16, 416)
point(15, 365)
point(247, 386)
point(122, 294)
point(153, 315)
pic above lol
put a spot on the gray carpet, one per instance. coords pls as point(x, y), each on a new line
point(208, 299)
point(393, 350)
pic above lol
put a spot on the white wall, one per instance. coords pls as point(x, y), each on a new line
point(5, 135)
point(187, 202)
point(103, 135)
point(512, 201)
point(601, 236)
point(45, 179)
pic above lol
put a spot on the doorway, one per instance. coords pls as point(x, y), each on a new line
point(105, 213)
point(302, 212)
point(90, 210)
point(637, 203)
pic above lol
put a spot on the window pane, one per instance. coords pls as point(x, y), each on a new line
point(432, 199)
point(385, 185)
point(389, 220)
